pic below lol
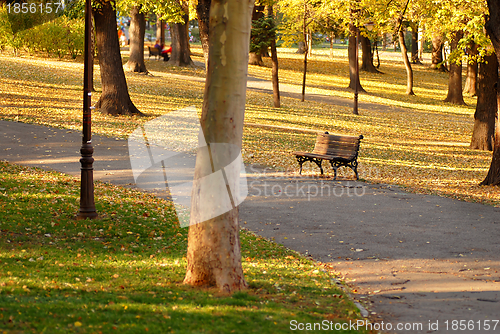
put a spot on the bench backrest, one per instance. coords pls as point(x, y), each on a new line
point(153, 50)
point(346, 147)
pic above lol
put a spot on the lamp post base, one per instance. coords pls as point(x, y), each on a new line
point(82, 215)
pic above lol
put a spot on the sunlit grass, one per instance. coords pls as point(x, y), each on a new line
point(423, 146)
point(124, 270)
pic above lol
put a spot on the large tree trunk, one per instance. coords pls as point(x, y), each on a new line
point(470, 87)
point(493, 29)
point(409, 70)
point(351, 51)
point(486, 108)
point(414, 43)
point(203, 16)
point(213, 255)
point(367, 55)
point(437, 61)
point(455, 94)
point(181, 54)
point(274, 59)
point(136, 32)
point(114, 99)
point(255, 59)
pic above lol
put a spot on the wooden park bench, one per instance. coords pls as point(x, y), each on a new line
point(339, 150)
point(154, 52)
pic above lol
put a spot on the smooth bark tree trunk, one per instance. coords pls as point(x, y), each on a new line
point(493, 29)
point(115, 99)
point(213, 254)
point(137, 30)
point(414, 44)
point(409, 70)
point(274, 59)
point(437, 60)
point(181, 54)
point(351, 51)
point(203, 14)
point(367, 55)
point(421, 41)
point(486, 108)
point(455, 94)
point(470, 87)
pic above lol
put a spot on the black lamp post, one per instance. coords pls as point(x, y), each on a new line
point(87, 205)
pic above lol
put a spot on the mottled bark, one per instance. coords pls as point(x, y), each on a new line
point(213, 254)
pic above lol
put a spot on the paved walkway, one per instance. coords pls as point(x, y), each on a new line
point(415, 261)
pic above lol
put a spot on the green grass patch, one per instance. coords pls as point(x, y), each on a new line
point(123, 272)
point(422, 147)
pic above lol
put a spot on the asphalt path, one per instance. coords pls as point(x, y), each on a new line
point(417, 263)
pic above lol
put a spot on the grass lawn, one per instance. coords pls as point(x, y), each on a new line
point(123, 272)
point(423, 148)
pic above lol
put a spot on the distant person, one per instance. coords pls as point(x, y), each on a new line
point(158, 45)
point(165, 53)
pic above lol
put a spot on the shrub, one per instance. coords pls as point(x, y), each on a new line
point(59, 37)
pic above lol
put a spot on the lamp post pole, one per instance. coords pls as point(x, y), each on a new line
point(87, 205)
point(356, 71)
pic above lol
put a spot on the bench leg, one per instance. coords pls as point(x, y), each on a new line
point(354, 167)
point(301, 161)
point(318, 162)
point(335, 166)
